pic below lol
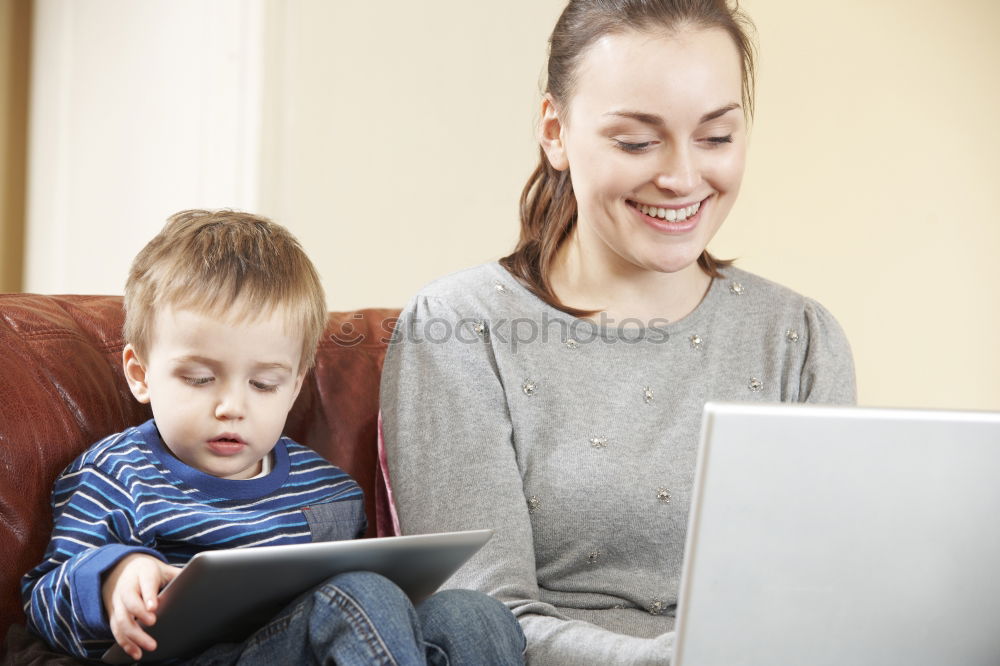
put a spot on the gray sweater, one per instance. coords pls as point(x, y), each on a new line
point(576, 442)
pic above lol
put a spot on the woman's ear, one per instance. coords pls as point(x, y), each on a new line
point(135, 374)
point(550, 135)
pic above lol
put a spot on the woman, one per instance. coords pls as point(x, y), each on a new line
point(556, 396)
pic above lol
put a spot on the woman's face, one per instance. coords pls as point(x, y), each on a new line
point(655, 140)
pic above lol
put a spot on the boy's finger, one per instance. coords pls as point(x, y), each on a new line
point(134, 606)
point(149, 589)
point(134, 648)
point(131, 649)
point(142, 639)
point(121, 625)
point(126, 630)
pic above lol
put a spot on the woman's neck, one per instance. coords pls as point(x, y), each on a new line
point(621, 290)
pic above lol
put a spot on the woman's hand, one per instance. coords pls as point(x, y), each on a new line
point(130, 593)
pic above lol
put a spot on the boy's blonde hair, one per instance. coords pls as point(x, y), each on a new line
point(213, 261)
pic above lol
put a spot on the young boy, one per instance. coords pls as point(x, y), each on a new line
point(223, 315)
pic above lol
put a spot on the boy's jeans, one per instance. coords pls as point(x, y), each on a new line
point(363, 618)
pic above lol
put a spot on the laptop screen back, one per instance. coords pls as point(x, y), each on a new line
point(835, 535)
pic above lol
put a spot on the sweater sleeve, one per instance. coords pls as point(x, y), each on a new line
point(93, 531)
point(828, 368)
point(453, 466)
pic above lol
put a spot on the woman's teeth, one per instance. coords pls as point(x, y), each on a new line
point(670, 214)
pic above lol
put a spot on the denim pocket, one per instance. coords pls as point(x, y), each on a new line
point(336, 521)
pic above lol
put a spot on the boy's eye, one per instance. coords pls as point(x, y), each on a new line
point(263, 386)
point(198, 381)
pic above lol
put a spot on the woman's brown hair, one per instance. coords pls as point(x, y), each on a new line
point(548, 205)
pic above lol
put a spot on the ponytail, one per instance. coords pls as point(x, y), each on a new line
point(548, 216)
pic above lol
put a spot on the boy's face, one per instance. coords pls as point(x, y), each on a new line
point(220, 391)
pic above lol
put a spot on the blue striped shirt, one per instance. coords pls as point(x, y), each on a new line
point(128, 494)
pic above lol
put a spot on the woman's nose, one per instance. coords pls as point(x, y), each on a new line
point(678, 172)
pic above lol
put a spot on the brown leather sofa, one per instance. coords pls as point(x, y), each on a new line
point(62, 389)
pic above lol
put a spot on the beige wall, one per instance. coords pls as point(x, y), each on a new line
point(395, 138)
point(15, 29)
point(871, 184)
point(401, 135)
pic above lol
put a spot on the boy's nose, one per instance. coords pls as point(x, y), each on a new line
point(230, 406)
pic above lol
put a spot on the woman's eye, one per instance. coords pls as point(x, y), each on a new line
point(263, 386)
point(198, 381)
point(717, 140)
point(633, 147)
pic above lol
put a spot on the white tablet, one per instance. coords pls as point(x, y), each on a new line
point(225, 595)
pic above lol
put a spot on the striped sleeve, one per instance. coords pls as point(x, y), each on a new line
point(94, 528)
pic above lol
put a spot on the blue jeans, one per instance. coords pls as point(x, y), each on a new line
point(363, 618)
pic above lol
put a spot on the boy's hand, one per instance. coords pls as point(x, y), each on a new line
point(130, 597)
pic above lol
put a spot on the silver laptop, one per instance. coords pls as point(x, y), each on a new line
point(835, 535)
point(224, 595)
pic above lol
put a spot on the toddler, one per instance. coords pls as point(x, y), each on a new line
point(223, 315)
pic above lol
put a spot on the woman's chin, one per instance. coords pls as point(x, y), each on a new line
point(676, 261)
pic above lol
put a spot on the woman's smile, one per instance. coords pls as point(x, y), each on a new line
point(669, 219)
